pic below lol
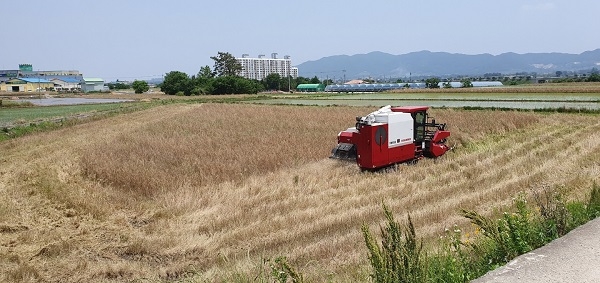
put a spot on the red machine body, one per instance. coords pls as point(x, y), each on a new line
point(392, 135)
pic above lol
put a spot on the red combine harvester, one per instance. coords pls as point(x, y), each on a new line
point(392, 135)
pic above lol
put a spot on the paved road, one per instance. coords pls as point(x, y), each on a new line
point(572, 258)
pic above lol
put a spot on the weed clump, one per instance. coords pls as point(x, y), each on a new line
point(398, 259)
point(460, 258)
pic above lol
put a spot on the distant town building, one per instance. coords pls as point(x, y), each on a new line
point(26, 79)
point(93, 84)
point(259, 68)
point(26, 85)
point(66, 84)
point(25, 67)
point(6, 75)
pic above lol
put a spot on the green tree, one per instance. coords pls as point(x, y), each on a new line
point(272, 81)
point(226, 65)
point(466, 83)
point(432, 83)
point(205, 72)
point(235, 85)
point(328, 82)
point(315, 80)
point(202, 81)
point(176, 81)
point(595, 77)
point(118, 85)
point(287, 83)
point(140, 86)
point(302, 80)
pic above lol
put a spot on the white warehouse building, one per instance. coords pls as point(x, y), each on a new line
point(259, 68)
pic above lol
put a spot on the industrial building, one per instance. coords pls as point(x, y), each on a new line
point(66, 84)
point(310, 87)
point(25, 79)
point(93, 84)
point(26, 85)
point(259, 68)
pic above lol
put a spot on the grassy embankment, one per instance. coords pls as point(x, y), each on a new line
point(209, 191)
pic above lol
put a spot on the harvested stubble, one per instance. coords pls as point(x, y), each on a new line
point(208, 190)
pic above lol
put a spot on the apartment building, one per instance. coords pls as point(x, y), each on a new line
point(259, 68)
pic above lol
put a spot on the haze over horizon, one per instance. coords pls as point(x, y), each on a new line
point(141, 40)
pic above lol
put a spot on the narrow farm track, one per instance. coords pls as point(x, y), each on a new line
point(124, 198)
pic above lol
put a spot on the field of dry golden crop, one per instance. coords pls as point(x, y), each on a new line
point(207, 192)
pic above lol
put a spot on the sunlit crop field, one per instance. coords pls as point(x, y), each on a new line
point(536, 96)
point(208, 191)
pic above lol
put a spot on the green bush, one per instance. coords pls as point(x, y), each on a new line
point(399, 258)
point(449, 262)
point(282, 271)
point(461, 258)
point(593, 205)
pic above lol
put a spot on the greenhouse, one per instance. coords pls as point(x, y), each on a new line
point(392, 86)
point(371, 87)
point(310, 87)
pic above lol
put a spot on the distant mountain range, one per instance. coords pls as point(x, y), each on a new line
point(426, 63)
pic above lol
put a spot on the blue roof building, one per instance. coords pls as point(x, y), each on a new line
point(35, 80)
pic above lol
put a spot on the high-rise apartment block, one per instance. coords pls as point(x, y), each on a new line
point(259, 68)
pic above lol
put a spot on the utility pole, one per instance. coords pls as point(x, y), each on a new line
point(39, 88)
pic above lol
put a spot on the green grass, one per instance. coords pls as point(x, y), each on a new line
point(460, 257)
point(28, 114)
point(16, 122)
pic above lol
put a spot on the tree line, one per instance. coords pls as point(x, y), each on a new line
point(223, 78)
point(138, 86)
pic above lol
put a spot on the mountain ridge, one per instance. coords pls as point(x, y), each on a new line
point(377, 64)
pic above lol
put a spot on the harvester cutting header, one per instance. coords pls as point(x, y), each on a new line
point(392, 135)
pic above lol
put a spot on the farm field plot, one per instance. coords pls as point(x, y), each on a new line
point(23, 115)
point(503, 98)
point(484, 96)
point(208, 191)
point(438, 103)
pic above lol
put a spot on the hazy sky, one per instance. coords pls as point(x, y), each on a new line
point(135, 39)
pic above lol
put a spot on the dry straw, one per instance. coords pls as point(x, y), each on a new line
point(209, 190)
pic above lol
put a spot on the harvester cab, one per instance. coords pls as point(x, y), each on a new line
point(392, 135)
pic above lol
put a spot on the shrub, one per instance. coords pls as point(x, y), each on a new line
point(398, 259)
point(460, 258)
point(593, 205)
point(282, 271)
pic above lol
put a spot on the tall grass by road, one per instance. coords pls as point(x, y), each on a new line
point(461, 257)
